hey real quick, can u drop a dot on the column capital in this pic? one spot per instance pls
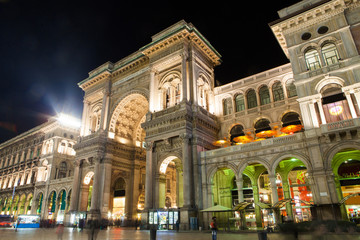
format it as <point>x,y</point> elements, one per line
<point>185,136</point>
<point>149,145</point>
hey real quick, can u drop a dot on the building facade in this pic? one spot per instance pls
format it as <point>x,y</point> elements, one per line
<point>37,170</point>
<point>158,141</point>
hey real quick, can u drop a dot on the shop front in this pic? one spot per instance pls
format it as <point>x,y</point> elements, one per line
<point>164,219</point>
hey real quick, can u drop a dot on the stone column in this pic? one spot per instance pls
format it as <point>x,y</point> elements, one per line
<point>286,189</point>
<point>105,168</point>
<point>258,214</point>
<point>152,106</point>
<point>105,106</point>
<point>321,111</point>
<point>239,184</point>
<point>162,190</point>
<point>313,115</point>
<point>184,75</point>
<point>96,194</point>
<point>75,192</point>
<point>351,104</point>
<point>187,174</point>
<point>85,116</point>
<point>149,203</point>
<point>274,194</point>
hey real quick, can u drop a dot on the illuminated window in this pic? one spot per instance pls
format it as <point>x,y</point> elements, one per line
<point>227,106</point>
<point>251,99</point>
<point>262,125</point>
<point>330,53</point>
<point>240,103</point>
<point>278,92</point>
<point>290,88</point>
<point>312,59</point>
<point>236,131</point>
<point>335,105</point>
<point>264,95</point>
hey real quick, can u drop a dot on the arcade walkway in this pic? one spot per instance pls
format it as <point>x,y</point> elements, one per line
<point>130,234</point>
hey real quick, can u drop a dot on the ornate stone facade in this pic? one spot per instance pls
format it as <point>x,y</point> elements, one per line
<point>150,121</point>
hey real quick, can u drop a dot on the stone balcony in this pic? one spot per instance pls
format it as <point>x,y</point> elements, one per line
<point>331,132</point>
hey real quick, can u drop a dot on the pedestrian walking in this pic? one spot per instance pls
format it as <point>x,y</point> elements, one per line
<point>17,224</point>
<point>60,231</point>
<point>177,225</point>
<point>213,226</point>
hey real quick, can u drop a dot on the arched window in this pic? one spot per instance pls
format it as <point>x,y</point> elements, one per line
<point>334,103</point>
<point>62,170</point>
<point>236,131</point>
<point>278,92</point>
<point>330,53</point>
<point>290,88</point>
<point>203,93</point>
<point>262,125</point>
<point>227,106</point>
<point>170,88</point>
<point>290,118</point>
<point>239,102</point>
<point>251,99</point>
<point>312,59</point>
<point>264,95</point>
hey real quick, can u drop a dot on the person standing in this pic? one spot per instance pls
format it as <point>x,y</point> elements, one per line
<point>60,231</point>
<point>213,226</point>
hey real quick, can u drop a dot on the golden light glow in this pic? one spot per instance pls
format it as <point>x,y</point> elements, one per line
<point>335,111</point>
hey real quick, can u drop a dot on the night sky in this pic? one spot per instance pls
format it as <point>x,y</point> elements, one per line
<point>48,46</point>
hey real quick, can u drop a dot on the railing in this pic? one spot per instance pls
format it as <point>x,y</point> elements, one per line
<point>254,145</point>
<point>341,125</point>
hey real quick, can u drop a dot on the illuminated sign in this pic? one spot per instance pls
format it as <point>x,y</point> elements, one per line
<point>335,111</point>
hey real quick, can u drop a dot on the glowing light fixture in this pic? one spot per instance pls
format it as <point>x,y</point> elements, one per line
<point>335,111</point>
<point>68,120</point>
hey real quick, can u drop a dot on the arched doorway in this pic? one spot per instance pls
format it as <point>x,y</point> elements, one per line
<point>51,205</point>
<point>294,191</point>
<point>225,194</point>
<point>86,192</point>
<point>257,195</point>
<point>21,206</point>
<point>39,203</point>
<point>61,206</point>
<point>28,203</point>
<point>346,169</point>
<point>119,200</point>
<point>170,193</point>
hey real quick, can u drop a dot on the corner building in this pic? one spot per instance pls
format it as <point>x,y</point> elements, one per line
<point>152,122</point>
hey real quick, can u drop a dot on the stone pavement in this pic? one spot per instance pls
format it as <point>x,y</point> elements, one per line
<point>131,234</point>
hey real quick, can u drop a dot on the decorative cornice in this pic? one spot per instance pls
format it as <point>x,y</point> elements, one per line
<point>303,19</point>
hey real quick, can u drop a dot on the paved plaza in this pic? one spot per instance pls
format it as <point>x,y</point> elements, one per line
<point>131,234</point>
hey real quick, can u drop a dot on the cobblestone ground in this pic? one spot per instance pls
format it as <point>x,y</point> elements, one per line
<point>130,234</point>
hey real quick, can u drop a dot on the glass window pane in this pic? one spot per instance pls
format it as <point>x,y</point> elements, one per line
<point>264,95</point>
<point>278,92</point>
<point>291,89</point>
<point>330,53</point>
<point>251,99</point>
<point>240,103</point>
<point>312,59</point>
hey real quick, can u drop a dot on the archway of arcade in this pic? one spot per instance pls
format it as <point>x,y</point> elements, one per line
<point>346,168</point>
<point>62,202</point>
<point>118,200</point>
<point>170,191</point>
<point>125,129</point>
<point>294,194</point>
<point>86,191</point>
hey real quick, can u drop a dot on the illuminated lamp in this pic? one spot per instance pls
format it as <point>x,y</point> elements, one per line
<point>221,143</point>
<point>243,139</point>
<point>67,120</point>
<point>335,111</point>
<point>291,129</point>
<point>266,134</point>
